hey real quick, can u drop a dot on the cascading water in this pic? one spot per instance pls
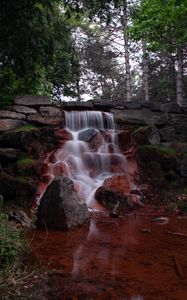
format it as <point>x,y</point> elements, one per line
<point>91,155</point>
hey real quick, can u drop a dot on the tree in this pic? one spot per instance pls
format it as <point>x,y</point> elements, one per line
<point>34,38</point>
<point>163,25</point>
<point>109,12</point>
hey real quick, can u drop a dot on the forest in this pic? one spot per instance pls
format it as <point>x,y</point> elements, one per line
<point>94,50</point>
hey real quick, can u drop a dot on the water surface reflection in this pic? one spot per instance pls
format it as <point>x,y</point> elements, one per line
<point>128,258</point>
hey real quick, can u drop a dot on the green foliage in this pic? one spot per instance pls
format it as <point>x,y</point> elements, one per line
<point>12,244</point>
<point>161,23</point>
<point>35,40</point>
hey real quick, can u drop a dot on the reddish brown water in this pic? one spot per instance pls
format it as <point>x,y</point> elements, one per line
<point>131,257</point>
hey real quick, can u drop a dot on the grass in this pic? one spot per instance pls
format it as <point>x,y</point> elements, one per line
<point>14,251</point>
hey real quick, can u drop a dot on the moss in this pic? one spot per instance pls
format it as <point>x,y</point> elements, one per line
<point>164,150</point>
<point>27,127</point>
<point>141,129</point>
<point>26,161</point>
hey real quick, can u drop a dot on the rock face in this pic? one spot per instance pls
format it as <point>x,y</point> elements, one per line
<point>60,206</point>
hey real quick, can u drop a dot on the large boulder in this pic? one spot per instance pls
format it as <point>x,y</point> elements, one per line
<point>60,207</point>
<point>32,100</point>
<point>116,192</point>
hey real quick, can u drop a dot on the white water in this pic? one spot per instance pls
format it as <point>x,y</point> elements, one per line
<point>88,164</point>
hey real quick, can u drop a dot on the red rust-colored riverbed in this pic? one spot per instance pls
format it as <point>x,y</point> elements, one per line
<point>131,257</point>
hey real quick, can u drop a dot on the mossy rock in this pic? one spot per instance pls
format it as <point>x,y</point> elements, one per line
<point>166,156</point>
<point>148,134</point>
<point>27,166</point>
<point>26,128</point>
<point>34,141</point>
<point>20,190</point>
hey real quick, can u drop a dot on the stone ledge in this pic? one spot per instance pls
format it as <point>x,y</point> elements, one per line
<point>32,100</point>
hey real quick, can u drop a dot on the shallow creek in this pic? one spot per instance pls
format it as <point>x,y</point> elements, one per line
<point>131,257</point>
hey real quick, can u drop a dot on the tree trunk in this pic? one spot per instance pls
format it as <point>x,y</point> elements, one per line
<point>179,77</point>
<point>126,48</point>
<point>145,72</point>
<point>78,90</point>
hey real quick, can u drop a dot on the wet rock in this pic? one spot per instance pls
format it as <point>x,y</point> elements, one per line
<point>87,135</point>
<point>50,111</point>
<point>44,120</point>
<point>12,115</point>
<point>170,107</point>
<point>23,109</point>
<point>8,124</point>
<point>114,190</point>
<point>32,100</point>
<point>60,206</point>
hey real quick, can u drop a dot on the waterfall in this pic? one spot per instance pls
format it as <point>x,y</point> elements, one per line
<point>91,155</point>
